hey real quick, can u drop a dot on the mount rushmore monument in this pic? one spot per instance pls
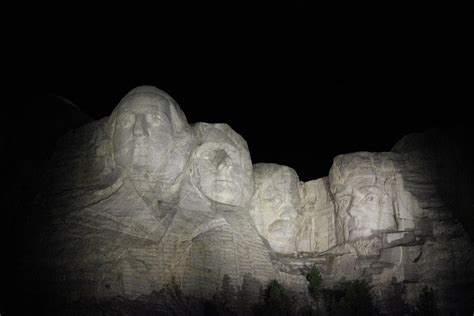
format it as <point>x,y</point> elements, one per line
<point>142,199</point>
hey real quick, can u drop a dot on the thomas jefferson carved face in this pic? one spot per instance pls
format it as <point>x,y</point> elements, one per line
<point>361,184</point>
<point>151,138</point>
<point>222,169</point>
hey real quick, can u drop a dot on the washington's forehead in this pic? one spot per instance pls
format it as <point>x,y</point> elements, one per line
<point>144,106</point>
<point>146,89</point>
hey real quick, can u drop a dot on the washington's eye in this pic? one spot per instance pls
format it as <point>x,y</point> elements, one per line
<point>154,119</point>
<point>126,120</point>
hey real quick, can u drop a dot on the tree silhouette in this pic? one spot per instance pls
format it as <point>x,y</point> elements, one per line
<point>393,299</point>
<point>426,304</point>
<point>315,281</point>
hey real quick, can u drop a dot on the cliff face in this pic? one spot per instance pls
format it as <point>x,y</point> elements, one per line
<point>391,223</point>
<point>142,200</point>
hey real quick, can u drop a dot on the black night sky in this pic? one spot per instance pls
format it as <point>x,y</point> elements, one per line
<point>300,84</point>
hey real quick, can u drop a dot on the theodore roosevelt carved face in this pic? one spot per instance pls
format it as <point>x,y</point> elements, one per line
<point>275,204</point>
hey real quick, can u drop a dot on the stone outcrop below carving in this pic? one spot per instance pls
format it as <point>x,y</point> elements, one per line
<point>122,219</point>
<point>141,200</point>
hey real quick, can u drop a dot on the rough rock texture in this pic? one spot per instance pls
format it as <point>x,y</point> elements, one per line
<point>438,171</point>
<point>292,216</point>
<point>404,224</point>
<point>140,201</point>
<point>316,223</point>
<point>445,159</point>
<point>391,223</point>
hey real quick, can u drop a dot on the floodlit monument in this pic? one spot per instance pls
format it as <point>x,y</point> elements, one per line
<point>141,200</point>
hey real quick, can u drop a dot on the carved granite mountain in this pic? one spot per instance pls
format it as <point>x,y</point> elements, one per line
<point>141,200</point>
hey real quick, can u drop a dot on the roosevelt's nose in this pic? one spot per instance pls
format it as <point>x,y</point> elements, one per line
<point>288,212</point>
<point>141,126</point>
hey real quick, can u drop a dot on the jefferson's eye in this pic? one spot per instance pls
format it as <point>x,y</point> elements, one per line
<point>126,120</point>
<point>208,155</point>
<point>344,200</point>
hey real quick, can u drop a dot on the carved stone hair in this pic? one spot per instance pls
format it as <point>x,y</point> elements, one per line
<point>178,118</point>
<point>383,165</point>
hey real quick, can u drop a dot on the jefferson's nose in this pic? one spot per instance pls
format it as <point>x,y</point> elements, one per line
<point>141,127</point>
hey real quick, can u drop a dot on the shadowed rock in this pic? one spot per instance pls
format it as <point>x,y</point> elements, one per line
<point>140,200</point>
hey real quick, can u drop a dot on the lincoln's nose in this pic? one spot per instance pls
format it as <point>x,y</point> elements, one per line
<point>141,127</point>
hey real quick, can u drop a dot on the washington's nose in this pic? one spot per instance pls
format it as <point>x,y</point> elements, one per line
<point>140,128</point>
<point>225,165</point>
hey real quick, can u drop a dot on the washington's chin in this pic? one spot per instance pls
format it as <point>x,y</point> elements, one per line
<point>146,173</point>
<point>139,159</point>
<point>161,190</point>
<point>142,149</point>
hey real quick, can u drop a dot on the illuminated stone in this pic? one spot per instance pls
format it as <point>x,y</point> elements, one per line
<point>368,192</point>
<point>139,200</point>
<point>152,141</point>
<point>275,205</point>
<point>220,166</point>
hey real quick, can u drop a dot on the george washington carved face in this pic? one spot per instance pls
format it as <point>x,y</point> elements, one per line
<point>152,140</point>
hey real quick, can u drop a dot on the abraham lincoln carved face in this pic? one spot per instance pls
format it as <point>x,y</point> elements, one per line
<point>366,187</point>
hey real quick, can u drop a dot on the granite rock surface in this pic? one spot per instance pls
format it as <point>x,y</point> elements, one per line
<point>142,199</point>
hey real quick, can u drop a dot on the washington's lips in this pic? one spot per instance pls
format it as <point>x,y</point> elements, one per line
<point>223,180</point>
